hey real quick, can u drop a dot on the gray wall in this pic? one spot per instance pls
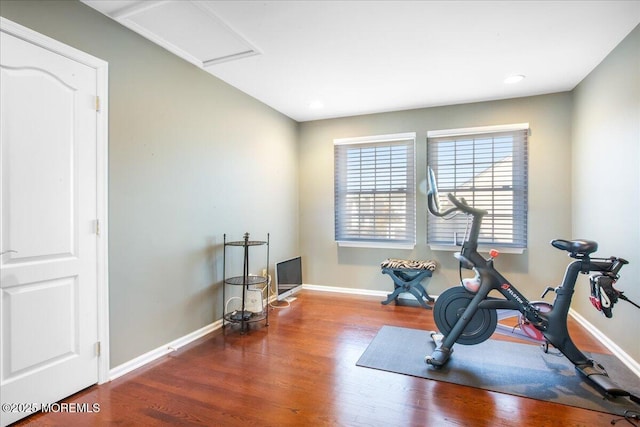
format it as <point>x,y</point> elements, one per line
<point>606,180</point>
<point>549,195</point>
<point>190,158</point>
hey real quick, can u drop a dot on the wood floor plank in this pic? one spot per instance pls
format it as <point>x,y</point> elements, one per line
<point>300,371</point>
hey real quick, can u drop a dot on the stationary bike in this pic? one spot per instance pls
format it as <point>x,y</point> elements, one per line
<point>468,315</point>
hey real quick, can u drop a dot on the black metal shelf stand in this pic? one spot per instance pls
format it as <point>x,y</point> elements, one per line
<point>245,317</point>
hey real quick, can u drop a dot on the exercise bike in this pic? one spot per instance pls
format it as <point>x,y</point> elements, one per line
<point>468,315</point>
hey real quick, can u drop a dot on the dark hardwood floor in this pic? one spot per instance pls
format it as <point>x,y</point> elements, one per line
<point>300,371</point>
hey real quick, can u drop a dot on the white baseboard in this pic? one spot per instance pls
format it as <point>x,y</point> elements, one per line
<point>163,350</point>
<point>367,292</point>
<point>627,360</point>
<point>345,290</point>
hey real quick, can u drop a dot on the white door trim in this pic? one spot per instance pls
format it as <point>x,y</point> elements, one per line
<point>102,137</point>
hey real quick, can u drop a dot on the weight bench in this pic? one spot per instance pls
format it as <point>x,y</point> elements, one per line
<point>407,275</point>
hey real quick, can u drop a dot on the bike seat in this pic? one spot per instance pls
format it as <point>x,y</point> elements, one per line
<point>576,248</point>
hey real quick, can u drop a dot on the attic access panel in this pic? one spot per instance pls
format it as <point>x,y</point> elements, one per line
<point>189,29</point>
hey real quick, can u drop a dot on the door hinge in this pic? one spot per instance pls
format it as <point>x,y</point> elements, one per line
<point>97,227</point>
<point>98,348</point>
<point>97,103</point>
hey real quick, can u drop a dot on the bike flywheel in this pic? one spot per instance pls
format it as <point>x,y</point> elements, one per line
<point>450,306</point>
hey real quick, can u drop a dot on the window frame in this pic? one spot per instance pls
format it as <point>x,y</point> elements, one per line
<point>519,189</point>
<point>409,218</point>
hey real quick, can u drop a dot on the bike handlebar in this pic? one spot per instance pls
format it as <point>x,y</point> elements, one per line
<point>617,264</point>
<point>459,205</point>
<point>464,206</point>
<point>433,202</point>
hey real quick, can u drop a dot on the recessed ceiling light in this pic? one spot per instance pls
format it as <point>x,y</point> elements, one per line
<point>316,105</point>
<point>515,78</point>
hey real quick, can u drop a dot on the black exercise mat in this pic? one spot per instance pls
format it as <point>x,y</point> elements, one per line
<point>501,366</point>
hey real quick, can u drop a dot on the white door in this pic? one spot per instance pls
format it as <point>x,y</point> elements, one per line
<point>48,268</point>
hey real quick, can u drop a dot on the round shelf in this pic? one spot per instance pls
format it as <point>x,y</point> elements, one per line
<point>248,243</point>
<point>249,317</point>
<point>250,280</point>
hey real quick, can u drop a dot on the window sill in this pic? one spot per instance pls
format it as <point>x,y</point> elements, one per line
<point>485,249</point>
<point>376,245</point>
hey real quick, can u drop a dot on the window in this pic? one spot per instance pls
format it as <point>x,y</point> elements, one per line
<point>375,191</point>
<point>488,167</point>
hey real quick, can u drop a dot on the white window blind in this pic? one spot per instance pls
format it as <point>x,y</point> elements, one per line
<point>375,190</point>
<point>488,167</point>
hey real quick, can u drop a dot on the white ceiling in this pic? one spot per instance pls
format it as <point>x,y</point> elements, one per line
<point>358,57</point>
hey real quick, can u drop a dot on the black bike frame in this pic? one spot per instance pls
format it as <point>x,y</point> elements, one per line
<point>552,324</point>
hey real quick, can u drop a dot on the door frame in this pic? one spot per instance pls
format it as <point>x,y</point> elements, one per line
<point>102,172</point>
